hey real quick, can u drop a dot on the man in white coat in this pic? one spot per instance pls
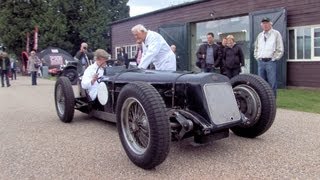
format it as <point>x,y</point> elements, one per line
<point>155,49</point>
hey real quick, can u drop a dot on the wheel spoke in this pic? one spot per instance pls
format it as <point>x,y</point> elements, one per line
<point>60,100</point>
<point>136,126</point>
<point>142,139</point>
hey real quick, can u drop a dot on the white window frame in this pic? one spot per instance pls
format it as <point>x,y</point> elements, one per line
<point>313,58</point>
<point>131,47</point>
<point>312,43</point>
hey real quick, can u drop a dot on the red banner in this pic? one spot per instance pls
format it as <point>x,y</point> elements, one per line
<point>28,42</point>
<point>35,44</point>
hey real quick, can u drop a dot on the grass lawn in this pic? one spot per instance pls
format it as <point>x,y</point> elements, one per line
<point>299,99</point>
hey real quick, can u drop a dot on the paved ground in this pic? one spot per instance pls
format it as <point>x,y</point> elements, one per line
<point>34,144</point>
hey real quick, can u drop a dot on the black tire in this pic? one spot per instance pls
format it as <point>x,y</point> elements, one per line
<point>256,101</point>
<point>64,99</point>
<point>146,139</point>
<point>72,75</point>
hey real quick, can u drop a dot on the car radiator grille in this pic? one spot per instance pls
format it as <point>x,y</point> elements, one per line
<point>221,102</point>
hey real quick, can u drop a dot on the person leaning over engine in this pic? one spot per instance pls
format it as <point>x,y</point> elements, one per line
<point>155,49</point>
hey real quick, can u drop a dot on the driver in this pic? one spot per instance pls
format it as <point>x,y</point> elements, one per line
<point>91,74</point>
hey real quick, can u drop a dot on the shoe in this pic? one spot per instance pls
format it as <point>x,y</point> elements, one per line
<point>8,85</point>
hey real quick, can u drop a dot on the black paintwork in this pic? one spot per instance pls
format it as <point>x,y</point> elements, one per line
<point>185,87</point>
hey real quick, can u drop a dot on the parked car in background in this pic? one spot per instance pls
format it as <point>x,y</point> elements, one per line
<point>60,63</point>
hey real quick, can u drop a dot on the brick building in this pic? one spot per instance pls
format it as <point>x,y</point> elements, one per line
<point>186,26</point>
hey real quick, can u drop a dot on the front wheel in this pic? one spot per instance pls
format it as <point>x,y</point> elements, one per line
<point>64,99</point>
<point>256,102</point>
<point>143,125</point>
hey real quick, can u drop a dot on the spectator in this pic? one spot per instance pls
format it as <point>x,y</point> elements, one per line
<point>174,50</point>
<point>222,45</point>
<point>84,56</point>
<point>233,58</point>
<point>268,49</point>
<point>123,57</point>
<point>33,66</point>
<point>155,49</point>
<point>13,67</point>
<point>93,72</point>
<point>209,55</point>
<point>5,68</point>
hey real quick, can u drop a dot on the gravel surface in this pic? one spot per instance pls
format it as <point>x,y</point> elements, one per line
<point>35,144</point>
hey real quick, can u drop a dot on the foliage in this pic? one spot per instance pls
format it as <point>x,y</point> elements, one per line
<point>63,24</point>
<point>299,99</point>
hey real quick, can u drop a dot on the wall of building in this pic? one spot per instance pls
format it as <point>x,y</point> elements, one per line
<point>304,74</point>
<point>300,13</point>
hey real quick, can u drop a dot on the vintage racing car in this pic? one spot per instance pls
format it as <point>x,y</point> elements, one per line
<point>152,108</point>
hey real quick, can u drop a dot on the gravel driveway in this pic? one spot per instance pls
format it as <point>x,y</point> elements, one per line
<point>34,144</point>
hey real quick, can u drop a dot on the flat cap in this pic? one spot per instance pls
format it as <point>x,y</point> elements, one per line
<point>265,19</point>
<point>101,53</point>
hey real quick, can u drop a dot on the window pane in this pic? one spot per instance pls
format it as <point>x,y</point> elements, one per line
<point>316,42</point>
<point>307,43</point>
<point>300,41</point>
<point>317,52</point>
<point>291,44</point>
<point>317,32</point>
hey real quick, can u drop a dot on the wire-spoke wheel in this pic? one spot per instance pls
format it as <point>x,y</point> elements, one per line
<point>64,99</point>
<point>143,124</point>
<point>60,100</point>
<point>135,125</point>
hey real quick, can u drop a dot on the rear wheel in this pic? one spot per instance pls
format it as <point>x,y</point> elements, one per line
<point>143,125</point>
<point>64,99</point>
<point>256,101</point>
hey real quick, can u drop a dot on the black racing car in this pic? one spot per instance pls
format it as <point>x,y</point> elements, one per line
<point>152,108</point>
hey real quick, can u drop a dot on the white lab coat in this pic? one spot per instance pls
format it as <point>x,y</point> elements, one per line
<point>157,51</point>
<point>87,77</point>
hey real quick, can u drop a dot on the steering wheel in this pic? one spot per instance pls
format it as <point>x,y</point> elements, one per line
<point>99,78</point>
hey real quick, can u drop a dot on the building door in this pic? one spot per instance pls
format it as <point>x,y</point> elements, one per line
<point>177,34</point>
<point>279,19</point>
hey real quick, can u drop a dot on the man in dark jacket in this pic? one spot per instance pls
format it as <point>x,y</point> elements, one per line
<point>209,55</point>
<point>5,68</point>
<point>222,46</point>
<point>123,57</point>
<point>84,57</point>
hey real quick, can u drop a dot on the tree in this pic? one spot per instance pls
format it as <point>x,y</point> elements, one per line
<point>95,17</point>
<point>64,24</point>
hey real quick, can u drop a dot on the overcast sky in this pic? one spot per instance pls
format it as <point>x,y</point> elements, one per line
<point>138,7</point>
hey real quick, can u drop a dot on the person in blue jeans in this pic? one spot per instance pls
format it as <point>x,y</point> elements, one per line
<point>268,49</point>
<point>209,55</point>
